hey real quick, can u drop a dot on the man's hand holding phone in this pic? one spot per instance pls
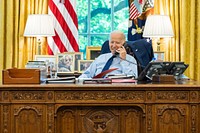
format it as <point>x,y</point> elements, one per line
<point>122,52</point>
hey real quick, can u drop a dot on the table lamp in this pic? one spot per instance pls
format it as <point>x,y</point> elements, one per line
<point>158,26</point>
<point>39,25</point>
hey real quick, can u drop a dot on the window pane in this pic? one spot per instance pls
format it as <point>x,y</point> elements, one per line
<point>121,15</point>
<point>100,21</point>
<point>98,40</point>
<point>96,22</point>
<point>83,42</point>
<point>82,12</point>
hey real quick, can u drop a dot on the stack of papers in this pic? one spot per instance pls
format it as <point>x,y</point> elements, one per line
<point>97,81</point>
<point>107,81</point>
<point>123,81</point>
<point>71,79</point>
<point>120,76</point>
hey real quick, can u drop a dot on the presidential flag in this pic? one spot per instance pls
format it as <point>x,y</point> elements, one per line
<point>65,25</point>
<point>138,10</point>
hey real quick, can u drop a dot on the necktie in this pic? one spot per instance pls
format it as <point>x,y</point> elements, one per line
<point>108,63</point>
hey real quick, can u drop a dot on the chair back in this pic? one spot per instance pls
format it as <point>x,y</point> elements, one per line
<point>105,47</point>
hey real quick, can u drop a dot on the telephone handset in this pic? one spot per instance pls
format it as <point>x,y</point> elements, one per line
<point>125,46</point>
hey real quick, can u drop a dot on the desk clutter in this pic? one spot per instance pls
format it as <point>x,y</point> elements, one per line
<point>163,71</point>
<point>62,80</point>
<point>33,76</point>
<point>108,80</point>
<point>65,63</point>
<point>37,72</point>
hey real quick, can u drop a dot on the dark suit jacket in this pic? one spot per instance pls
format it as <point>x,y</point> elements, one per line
<point>142,51</point>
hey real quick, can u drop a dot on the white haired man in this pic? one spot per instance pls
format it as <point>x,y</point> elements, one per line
<point>125,64</point>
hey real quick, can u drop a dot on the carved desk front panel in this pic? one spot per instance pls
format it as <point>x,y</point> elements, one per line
<point>114,108</point>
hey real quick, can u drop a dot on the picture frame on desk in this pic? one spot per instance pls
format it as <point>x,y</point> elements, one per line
<point>83,65</point>
<point>92,52</point>
<point>77,56</point>
<point>65,63</point>
<point>159,56</point>
<point>51,59</point>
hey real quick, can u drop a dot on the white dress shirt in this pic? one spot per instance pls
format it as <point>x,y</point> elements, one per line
<point>127,67</point>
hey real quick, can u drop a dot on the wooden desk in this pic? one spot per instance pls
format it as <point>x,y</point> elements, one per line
<point>102,108</point>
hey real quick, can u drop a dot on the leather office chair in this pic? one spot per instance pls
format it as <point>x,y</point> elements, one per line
<point>141,49</point>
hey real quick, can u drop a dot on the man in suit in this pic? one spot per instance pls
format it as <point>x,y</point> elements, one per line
<point>125,64</point>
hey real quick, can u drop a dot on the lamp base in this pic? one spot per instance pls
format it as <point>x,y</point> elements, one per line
<point>39,45</point>
<point>158,46</point>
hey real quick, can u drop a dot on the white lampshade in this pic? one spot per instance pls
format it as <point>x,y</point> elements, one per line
<point>158,26</point>
<point>39,25</point>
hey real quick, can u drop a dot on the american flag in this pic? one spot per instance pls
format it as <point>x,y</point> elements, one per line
<point>66,27</point>
<point>135,9</point>
<point>136,25</point>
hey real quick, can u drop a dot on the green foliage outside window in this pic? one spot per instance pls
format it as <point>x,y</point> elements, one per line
<point>97,18</point>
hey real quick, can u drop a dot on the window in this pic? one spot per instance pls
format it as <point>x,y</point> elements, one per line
<point>97,18</point>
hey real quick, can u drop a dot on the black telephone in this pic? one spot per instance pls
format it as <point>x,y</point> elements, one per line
<point>125,46</point>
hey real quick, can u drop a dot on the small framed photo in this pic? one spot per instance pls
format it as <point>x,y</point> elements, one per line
<point>159,56</point>
<point>77,56</point>
<point>83,65</point>
<point>47,58</point>
<point>92,52</point>
<point>65,63</point>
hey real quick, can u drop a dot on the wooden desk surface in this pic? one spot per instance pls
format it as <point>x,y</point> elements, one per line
<point>94,108</point>
<point>181,84</point>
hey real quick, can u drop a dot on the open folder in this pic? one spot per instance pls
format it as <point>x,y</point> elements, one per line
<point>102,74</point>
<point>99,79</point>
